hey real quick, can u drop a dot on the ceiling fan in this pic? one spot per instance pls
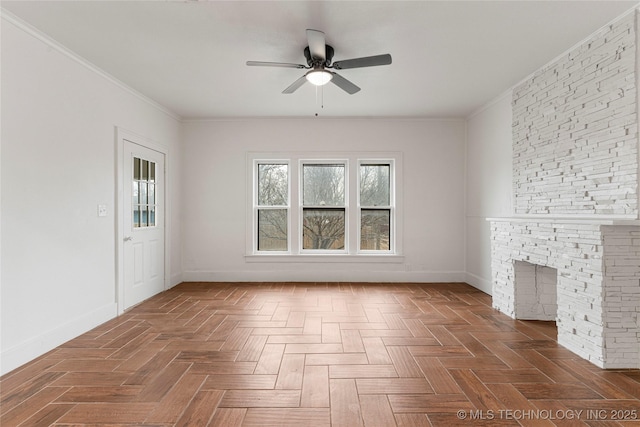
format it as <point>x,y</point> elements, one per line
<point>319,56</point>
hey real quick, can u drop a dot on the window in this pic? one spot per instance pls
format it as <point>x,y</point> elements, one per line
<point>375,206</point>
<point>323,206</point>
<point>144,202</point>
<point>272,206</point>
<point>303,205</point>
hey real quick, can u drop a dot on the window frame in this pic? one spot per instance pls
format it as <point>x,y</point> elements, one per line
<point>257,207</point>
<point>352,251</point>
<point>302,207</point>
<point>391,207</point>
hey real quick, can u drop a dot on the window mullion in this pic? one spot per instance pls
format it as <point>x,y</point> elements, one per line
<point>353,211</point>
<point>295,208</point>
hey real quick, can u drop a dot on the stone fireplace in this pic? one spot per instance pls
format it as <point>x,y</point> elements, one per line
<point>571,250</point>
<point>595,294</point>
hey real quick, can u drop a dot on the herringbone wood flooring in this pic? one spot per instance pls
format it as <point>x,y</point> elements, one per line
<point>317,354</point>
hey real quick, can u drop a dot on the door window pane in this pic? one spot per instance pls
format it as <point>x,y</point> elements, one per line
<point>273,185</point>
<point>375,229</point>
<point>323,185</point>
<point>136,216</point>
<point>152,172</point>
<point>323,229</point>
<point>136,168</point>
<point>152,216</point>
<point>143,193</point>
<point>145,170</point>
<point>143,216</point>
<point>135,199</point>
<point>374,185</point>
<point>151,194</point>
<point>272,230</point>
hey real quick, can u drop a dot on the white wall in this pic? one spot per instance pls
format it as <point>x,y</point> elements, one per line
<point>489,178</point>
<point>215,178</point>
<point>58,163</point>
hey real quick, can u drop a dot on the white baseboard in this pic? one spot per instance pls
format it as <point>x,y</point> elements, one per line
<point>28,350</point>
<point>478,282</point>
<point>325,276</point>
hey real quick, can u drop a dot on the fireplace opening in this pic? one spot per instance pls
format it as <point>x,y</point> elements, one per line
<point>535,291</point>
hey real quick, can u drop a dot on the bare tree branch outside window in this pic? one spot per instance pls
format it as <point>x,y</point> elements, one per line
<point>273,185</point>
<point>323,194</point>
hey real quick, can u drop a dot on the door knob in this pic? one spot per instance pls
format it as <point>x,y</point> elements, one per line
<point>127,238</point>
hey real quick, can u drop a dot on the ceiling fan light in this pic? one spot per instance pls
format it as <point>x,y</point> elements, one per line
<point>319,77</point>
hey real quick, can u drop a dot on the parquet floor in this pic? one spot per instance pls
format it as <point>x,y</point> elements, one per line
<point>285,354</point>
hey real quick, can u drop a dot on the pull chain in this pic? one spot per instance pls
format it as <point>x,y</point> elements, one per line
<point>321,97</point>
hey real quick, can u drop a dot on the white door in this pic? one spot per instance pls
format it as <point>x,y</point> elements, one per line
<point>143,223</point>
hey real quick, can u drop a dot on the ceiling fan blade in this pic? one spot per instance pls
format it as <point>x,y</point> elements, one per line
<point>274,64</point>
<point>317,44</point>
<point>344,84</point>
<point>367,61</point>
<point>295,85</point>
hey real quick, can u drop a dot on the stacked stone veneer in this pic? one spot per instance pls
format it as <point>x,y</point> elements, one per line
<point>575,131</point>
<point>575,197</point>
<point>621,296</point>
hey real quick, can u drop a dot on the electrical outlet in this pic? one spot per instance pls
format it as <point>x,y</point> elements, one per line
<point>102,210</point>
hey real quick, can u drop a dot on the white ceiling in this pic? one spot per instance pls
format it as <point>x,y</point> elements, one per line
<point>449,57</point>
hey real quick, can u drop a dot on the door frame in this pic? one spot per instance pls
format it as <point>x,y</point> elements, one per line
<point>123,135</point>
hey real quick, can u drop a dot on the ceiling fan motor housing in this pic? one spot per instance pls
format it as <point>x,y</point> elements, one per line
<point>314,62</point>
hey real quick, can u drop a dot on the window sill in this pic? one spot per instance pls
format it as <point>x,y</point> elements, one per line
<point>327,258</point>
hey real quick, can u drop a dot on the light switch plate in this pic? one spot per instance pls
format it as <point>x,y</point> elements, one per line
<point>102,210</point>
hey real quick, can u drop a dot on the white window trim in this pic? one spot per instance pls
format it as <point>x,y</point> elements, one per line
<point>295,253</point>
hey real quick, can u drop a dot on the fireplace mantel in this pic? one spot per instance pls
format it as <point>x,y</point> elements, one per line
<point>596,220</point>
